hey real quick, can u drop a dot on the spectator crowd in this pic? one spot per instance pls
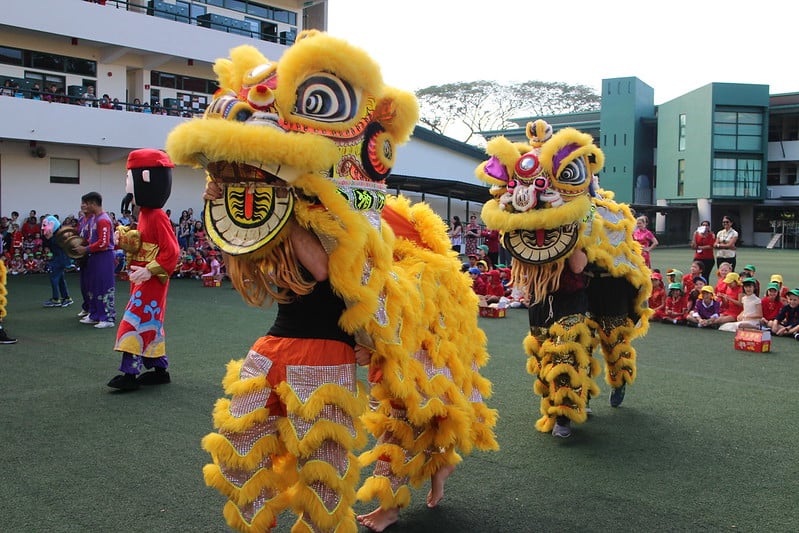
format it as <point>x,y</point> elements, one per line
<point>26,252</point>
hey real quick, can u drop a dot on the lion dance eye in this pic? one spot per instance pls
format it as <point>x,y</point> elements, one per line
<point>574,173</point>
<point>326,98</point>
<point>528,165</point>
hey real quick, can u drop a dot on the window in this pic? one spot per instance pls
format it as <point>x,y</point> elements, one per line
<point>64,170</point>
<point>737,177</point>
<point>681,138</point>
<point>738,130</point>
<point>10,56</point>
<point>185,83</point>
<point>681,177</point>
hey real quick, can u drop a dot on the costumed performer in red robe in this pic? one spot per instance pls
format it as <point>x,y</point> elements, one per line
<point>152,253</point>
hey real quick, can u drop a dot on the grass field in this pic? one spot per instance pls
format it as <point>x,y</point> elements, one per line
<point>705,439</point>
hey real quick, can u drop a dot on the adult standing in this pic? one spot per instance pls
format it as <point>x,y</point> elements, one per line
<point>99,263</point>
<point>456,234</point>
<point>491,240</point>
<point>725,243</point>
<point>471,236</point>
<point>57,266</point>
<point>645,238</point>
<point>85,223</point>
<point>153,252</point>
<point>702,243</point>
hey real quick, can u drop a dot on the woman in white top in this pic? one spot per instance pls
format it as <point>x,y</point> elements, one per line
<point>725,243</point>
<point>456,234</point>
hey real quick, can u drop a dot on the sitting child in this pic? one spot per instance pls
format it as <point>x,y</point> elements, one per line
<point>214,267</point>
<point>676,305</point>
<point>787,322</point>
<point>494,288</point>
<point>731,305</point>
<point>724,269</point>
<point>752,311</point>
<point>688,279</point>
<point>771,303</point>
<point>705,312</point>
<point>657,301</point>
<point>478,284</point>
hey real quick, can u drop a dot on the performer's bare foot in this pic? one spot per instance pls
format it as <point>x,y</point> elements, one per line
<point>379,519</point>
<point>437,485</point>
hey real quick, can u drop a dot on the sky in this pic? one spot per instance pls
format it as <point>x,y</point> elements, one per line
<point>674,46</point>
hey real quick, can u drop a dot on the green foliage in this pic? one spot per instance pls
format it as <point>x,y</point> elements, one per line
<point>464,109</point>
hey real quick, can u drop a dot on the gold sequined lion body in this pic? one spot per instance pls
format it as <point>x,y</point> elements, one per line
<point>310,140</point>
<point>548,206</point>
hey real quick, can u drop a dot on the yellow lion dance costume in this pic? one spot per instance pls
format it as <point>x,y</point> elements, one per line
<point>310,140</point>
<point>549,208</point>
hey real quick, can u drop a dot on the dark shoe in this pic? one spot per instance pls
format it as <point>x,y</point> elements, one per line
<point>617,396</point>
<point>124,382</point>
<point>154,377</point>
<point>53,302</point>
<point>66,302</point>
<point>5,339</point>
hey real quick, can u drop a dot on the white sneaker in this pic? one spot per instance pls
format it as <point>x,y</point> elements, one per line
<point>104,324</point>
<point>83,313</point>
<point>87,320</point>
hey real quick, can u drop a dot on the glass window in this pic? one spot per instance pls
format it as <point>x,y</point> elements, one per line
<point>681,141</point>
<point>258,10</point>
<point>738,130</point>
<point>681,177</point>
<point>236,5</point>
<point>64,170</point>
<point>10,56</point>
<point>741,178</point>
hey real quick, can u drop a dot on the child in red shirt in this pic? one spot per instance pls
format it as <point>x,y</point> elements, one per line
<point>676,305</point>
<point>731,305</point>
<point>657,301</point>
<point>771,303</point>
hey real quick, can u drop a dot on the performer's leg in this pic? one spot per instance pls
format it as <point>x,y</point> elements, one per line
<point>389,482</point>
<point>157,374</point>
<point>322,427</point>
<point>251,465</point>
<point>560,358</point>
<point>614,336</point>
<point>130,366</point>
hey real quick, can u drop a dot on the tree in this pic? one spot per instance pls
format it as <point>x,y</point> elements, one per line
<point>464,109</point>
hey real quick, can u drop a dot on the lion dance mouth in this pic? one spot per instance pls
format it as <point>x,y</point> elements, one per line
<point>254,207</point>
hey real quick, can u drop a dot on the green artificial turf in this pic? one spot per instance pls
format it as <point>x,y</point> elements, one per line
<point>705,439</point>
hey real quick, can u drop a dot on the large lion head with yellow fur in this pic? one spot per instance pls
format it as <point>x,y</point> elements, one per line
<point>275,128</point>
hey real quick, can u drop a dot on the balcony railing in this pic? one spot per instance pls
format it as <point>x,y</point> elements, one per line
<point>183,13</point>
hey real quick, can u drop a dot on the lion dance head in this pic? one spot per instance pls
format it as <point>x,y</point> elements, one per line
<point>280,136</point>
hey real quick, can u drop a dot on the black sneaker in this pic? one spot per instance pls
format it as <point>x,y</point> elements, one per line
<point>617,395</point>
<point>53,302</point>
<point>5,339</point>
<point>154,377</point>
<point>124,382</point>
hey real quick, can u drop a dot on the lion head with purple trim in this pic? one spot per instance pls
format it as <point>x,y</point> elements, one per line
<point>542,189</point>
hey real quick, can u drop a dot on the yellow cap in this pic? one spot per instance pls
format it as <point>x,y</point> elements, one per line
<point>776,277</point>
<point>732,276</point>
